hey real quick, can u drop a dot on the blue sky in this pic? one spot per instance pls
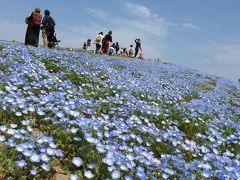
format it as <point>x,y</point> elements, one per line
<point>203,35</point>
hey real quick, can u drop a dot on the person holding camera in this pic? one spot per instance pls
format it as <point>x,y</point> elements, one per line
<point>137,47</point>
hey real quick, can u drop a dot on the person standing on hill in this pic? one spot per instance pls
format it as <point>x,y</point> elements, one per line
<point>130,51</point>
<point>107,40</point>
<point>33,29</point>
<point>137,47</point>
<point>98,41</point>
<point>47,27</point>
<point>117,47</point>
<point>88,45</point>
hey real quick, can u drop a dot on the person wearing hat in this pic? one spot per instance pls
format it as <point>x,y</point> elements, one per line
<point>137,47</point>
<point>33,21</point>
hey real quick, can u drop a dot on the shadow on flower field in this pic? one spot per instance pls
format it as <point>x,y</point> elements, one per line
<point>71,115</point>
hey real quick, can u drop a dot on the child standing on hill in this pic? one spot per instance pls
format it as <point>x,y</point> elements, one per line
<point>88,44</point>
<point>130,51</point>
<point>141,54</point>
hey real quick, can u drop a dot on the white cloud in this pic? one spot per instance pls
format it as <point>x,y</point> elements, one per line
<point>138,10</point>
<point>191,26</point>
<point>187,27</point>
<point>98,13</point>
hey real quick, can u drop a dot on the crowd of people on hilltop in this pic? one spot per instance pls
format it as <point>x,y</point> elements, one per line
<point>104,44</point>
<point>36,23</point>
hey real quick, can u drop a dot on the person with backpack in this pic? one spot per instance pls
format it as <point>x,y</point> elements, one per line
<point>48,28</point>
<point>33,21</point>
<point>98,41</point>
<point>137,47</point>
<point>107,40</point>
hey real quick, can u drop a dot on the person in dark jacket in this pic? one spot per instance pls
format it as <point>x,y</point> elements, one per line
<point>137,47</point>
<point>48,25</point>
<point>117,47</point>
<point>33,29</point>
<point>106,42</point>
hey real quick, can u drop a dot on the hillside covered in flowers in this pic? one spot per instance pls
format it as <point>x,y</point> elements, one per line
<point>73,115</point>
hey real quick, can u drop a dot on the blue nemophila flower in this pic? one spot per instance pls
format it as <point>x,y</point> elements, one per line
<point>100,149</point>
<point>73,177</point>
<point>20,148</point>
<point>128,178</point>
<point>25,122</point>
<point>45,167</point>
<point>88,174</point>
<point>33,171</point>
<point>116,174</point>
<point>21,163</point>
<point>35,158</point>
<point>18,113</point>
<point>2,138</point>
<point>50,151</point>
<point>40,112</point>
<point>12,125</point>
<point>11,131</point>
<point>52,145</point>
<point>108,161</point>
<point>73,130</point>
<point>92,165</point>
<point>45,158</point>
<point>77,138</point>
<point>3,128</point>
<point>77,161</point>
<point>27,152</point>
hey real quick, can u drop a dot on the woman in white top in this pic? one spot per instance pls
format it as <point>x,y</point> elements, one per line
<point>98,41</point>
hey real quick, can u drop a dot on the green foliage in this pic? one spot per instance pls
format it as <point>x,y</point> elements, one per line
<point>190,97</point>
<point>159,148</point>
<point>8,157</point>
<point>52,66</point>
<point>231,102</point>
<point>232,147</point>
<point>191,128</point>
<point>227,131</point>
<point>2,86</point>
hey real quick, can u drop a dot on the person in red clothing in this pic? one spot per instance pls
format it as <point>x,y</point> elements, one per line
<point>107,40</point>
<point>32,34</point>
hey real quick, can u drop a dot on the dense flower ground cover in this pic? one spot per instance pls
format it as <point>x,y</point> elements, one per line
<point>79,116</point>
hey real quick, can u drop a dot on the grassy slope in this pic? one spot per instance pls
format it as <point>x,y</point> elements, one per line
<point>136,118</point>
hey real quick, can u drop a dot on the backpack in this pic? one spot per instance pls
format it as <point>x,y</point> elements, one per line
<point>50,24</point>
<point>98,38</point>
<point>36,21</point>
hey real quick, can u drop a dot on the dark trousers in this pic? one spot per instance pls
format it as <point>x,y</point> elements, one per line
<point>98,47</point>
<point>32,36</point>
<point>136,52</point>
